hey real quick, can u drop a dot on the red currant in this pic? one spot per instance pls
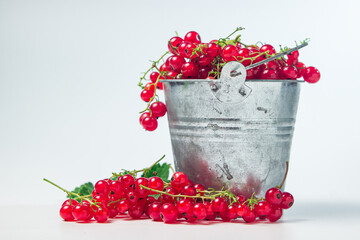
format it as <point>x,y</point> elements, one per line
<point>288,72</point>
<point>167,198</point>
<point>199,210</point>
<point>123,206</point>
<point>273,196</point>
<point>179,180</point>
<point>210,213</point>
<point>174,43</point>
<point>189,190</point>
<point>311,75</point>
<point>154,76</point>
<point>269,74</point>
<point>132,197</point>
<point>156,183</point>
<point>192,37</point>
<point>219,205</point>
<point>230,53</point>
<point>268,48</point>
<point>190,69</point>
<point>127,182</point>
<point>158,109</point>
<point>168,213</point>
<point>199,188</point>
<point>150,123</point>
<point>250,216</point>
<point>101,215</point>
<point>66,212</point>
<point>115,187</point>
<point>275,214</point>
<point>230,213</point>
<point>141,192</point>
<point>81,212</point>
<point>287,200</point>
<point>242,210</point>
<point>176,63</point>
<point>136,211</point>
<point>154,211</point>
<point>73,202</point>
<point>146,95</point>
<point>263,208</point>
<point>102,187</point>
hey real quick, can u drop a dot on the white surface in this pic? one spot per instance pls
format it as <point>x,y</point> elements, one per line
<point>307,220</point>
<point>69,104</point>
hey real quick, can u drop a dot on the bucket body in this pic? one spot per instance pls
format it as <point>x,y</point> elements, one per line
<point>241,146</point>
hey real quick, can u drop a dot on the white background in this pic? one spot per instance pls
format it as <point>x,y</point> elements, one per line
<point>69,99</point>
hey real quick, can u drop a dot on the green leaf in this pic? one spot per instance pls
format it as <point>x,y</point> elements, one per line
<point>160,170</point>
<point>84,189</point>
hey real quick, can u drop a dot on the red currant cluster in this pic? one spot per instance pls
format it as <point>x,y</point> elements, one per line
<point>180,199</point>
<point>193,59</point>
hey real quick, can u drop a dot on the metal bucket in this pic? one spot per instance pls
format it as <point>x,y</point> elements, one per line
<point>231,133</point>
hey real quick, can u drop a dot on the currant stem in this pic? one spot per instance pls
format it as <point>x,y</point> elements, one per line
<point>152,66</point>
<point>286,172</point>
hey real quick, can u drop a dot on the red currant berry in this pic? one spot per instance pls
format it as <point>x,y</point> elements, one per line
<point>275,214</point>
<point>115,187</point>
<point>141,192</point>
<point>242,210</point>
<point>187,49</point>
<point>269,74</point>
<point>230,53</point>
<point>273,196</point>
<point>176,63</point>
<point>102,187</point>
<point>204,60</point>
<point>192,37</point>
<point>230,213</point>
<point>167,198</point>
<point>292,61</point>
<point>158,109</point>
<point>244,53</point>
<point>190,69</point>
<point>171,75</point>
<point>311,75</point>
<point>132,197</point>
<point>150,87</point>
<point>253,73</point>
<point>112,212</point>
<point>184,206</point>
<point>219,205</point>
<point>199,188</point>
<point>123,206</point>
<point>188,190</point>
<point>179,180</point>
<point>136,211</point>
<point>253,49</point>
<point>168,213</point>
<point>101,215</point>
<point>146,95</point>
<point>210,214</point>
<point>174,43</point>
<point>294,55</point>
<point>81,212</point>
<point>143,116</point>
<point>250,216</point>
<point>154,76</point>
<point>288,72</point>
<point>268,48</point>
<point>150,123</point>
<point>154,211</point>
<point>156,183</point>
<point>300,69</point>
<point>162,68</point>
<point>73,202</point>
<point>127,182</point>
<point>274,65</point>
<point>263,208</point>
<point>241,199</point>
<point>199,211</point>
<point>213,50</point>
<point>66,212</point>
<point>287,200</point>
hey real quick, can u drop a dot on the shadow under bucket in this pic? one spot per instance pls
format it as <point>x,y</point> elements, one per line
<point>231,133</point>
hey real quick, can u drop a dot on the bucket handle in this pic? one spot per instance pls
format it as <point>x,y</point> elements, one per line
<point>231,87</point>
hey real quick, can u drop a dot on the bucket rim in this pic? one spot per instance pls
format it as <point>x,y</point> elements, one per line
<point>218,80</point>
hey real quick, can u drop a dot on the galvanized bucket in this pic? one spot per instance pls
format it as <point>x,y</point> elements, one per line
<point>231,133</point>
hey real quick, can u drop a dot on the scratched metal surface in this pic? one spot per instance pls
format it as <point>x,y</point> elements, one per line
<point>241,145</point>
